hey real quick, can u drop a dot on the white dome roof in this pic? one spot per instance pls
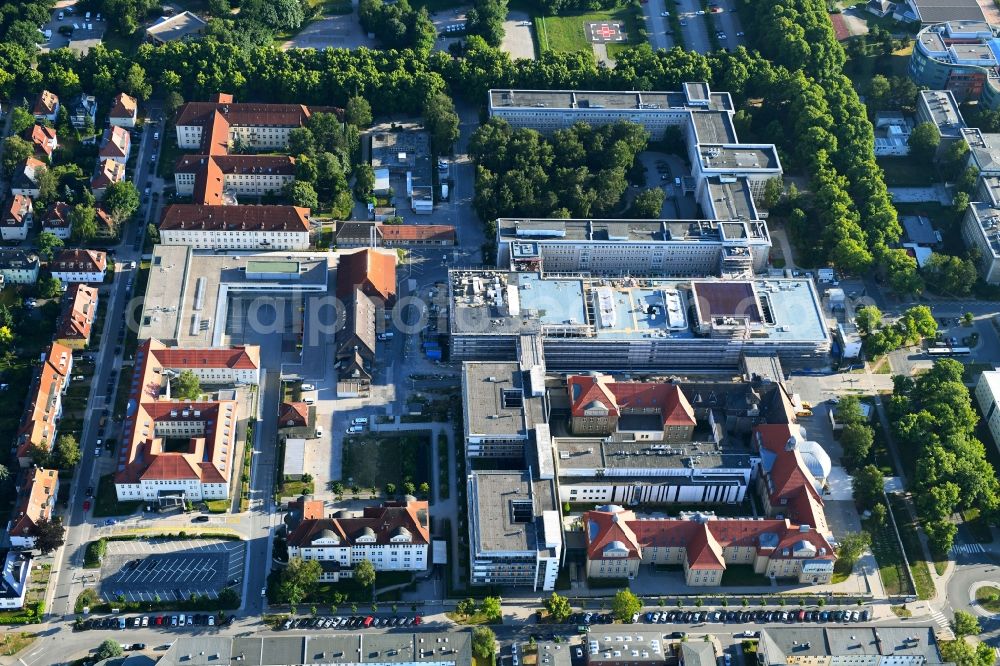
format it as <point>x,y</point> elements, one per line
<point>817,460</point>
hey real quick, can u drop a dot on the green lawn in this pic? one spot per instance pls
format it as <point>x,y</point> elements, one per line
<point>906,172</point>
<point>374,461</point>
<point>919,566</point>
<point>862,70</point>
<point>106,502</point>
<point>890,560</point>
<point>13,642</point>
<point>564,34</point>
<point>743,575</point>
<point>989,598</point>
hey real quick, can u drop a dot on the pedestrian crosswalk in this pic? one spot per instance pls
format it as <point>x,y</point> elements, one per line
<point>968,548</point>
<point>944,625</point>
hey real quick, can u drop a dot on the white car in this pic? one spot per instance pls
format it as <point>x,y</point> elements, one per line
<point>319,432</point>
<point>308,387</point>
<point>664,14</point>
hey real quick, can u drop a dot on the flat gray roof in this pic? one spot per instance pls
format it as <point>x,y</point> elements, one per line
<point>179,26</point>
<point>638,231</point>
<point>910,644</point>
<point>599,99</point>
<point>731,198</point>
<point>615,453</point>
<point>988,217</point>
<point>932,41</point>
<point>497,401</point>
<point>714,127</point>
<point>508,507</point>
<point>739,157</point>
<point>940,11</point>
<point>944,111</point>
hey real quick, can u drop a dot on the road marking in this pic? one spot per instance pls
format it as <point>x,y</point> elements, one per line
<point>968,548</point>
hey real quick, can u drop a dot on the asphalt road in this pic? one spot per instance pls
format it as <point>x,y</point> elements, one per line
<point>69,578</point>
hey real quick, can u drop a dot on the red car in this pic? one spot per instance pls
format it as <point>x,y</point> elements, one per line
<point>416,620</point>
<point>86,505</point>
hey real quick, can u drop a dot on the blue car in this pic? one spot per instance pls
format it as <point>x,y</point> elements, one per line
<point>110,521</point>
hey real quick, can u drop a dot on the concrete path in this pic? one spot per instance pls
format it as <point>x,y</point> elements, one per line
<point>934,194</point>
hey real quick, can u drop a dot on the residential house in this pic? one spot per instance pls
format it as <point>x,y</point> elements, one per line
<point>56,220</point>
<point>293,415</point>
<point>79,310</point>
<point>177,450</point>
<point>618,542</point>
<point>44,405</point>
<point>18,218</point>
<point>36,500</point>
<point>18,267</point>
<point>46,106</point>
<point>106,225</point>
<point>25,178</point>
<point>393,537</point>
<point>14,578</point>
<point>44,140</point>
<point>373,271</point>
<point>236,227</point>
<point>107,172</point>
<point>124,110</point>
<point>82,108</point>
<point>116,144</point>
<point>79,265</point>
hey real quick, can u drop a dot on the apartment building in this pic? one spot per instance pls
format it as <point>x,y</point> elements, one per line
<point>25,179</point>
<point>633,247</point>
<point>44,404</point>
<point>957,56</point>
<point>56,220</point>
<point>394,536</point>
<point>793,475</point>
<point>124,110</point>
<point>515,530</point>
<point>618,542</point>
<point>46,106</point>
<point>82,107</point>
<point>987,394</point>
<point>14,578</point>
<point>236,227</point>
<point>37,491</point>
<point>78,265</point>
<point>76,322</point>
<point>251,175</point>
<point>502,406</point>
<point>106,173</point>
<point>17,218</point>
<point>232,365</point>
<point>176,450</point>
<point>18,267</point>
<point>940,108</point>
<point>981,230</point>
<point>116,144</point>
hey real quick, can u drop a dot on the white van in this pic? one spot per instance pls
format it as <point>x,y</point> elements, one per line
<point>308,387</point>
<point>361,420</point>
<point>354,429</point>
<point>385,336</point>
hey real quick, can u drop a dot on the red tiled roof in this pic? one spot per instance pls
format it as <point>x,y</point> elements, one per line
<point>78,260</point>
<point>56,216</point>
<point>115,142</point>
<point>291,414</point>
<point>45,103</point>
<point>79,312</point>
<point>38,426</point>
<point>417,232</point>
<point>247,114</point>
<point>372,271</point>
<point>235,218</point>
<point>107,173</point>
<point>604,528</point>
<point>276,165</point>
<point>170,466</point>
<point>34,500</point>
<point>123,106</point>
<point>704,551</point>
<point>208,185</point>
<point>237,358</point>
<point>383,522</point>
<point>104,218</point>
<point>215,138</point>
<point>16,210</point>
<point>42,138</point>
<point>619,397</point>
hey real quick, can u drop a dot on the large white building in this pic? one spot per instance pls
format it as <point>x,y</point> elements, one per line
<point>634,247</point>
<point>981,229</point>
<point>210,227</point>
<point>987,395</point>
<point>393,537</point>
<point>181,449</point>
<point>515,530</point>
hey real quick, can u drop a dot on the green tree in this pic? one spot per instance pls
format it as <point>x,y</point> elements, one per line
<point>186,386</point>
<point>135,83</point>
<point>66,454</point>
<point>917,323</point>
<point>49,534</point>
<point>15,151</point>
<point>40,455</point>
<point>84,223</point>
<point>484,643</point>
<point>4,473</point>
<point>121,200</point>
<point>774,188</point>
<point>868,486</point>
<point>852,546</point>
<point>364,181</point>
<point>625,605</point>
<point>466,607</point>
<point>301,193</point>
<point>879,514</point>
<point>966,624</point>
<point>940,535</point>
<point>492,609</point>
<point>961,653</point>
<point>301,141</point>
<point>48,287</point>
<point>364,573</point>
<point>390,489</point>
<point>48,183</point>
<point>21,120</point>
<point>442,121</point>
<point>967,179</point>
<point>923,141</point>
<point>279,15</point>
<point>856,440</point>
<point>868,318</point>
<point>153,233</point>
<point>648,203</point>
<point>172,102</point>
<point>108,649</point>
<point>879,94</point>
<point>48,243</point>
<point>849,410</point>
<point>558,607</point>
<point>358,112</point>
<point>950,275</point>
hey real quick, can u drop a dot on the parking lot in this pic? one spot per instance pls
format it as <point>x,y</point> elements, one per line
<point>170,570</point>
<point>78,32</point>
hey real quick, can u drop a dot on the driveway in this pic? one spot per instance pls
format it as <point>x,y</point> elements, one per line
<point>519,36</point>
<point>341,31</point>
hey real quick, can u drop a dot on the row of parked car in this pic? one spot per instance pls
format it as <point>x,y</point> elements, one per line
<point>758,616</point>
<point>351,622</point>
<point>143,621</point>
